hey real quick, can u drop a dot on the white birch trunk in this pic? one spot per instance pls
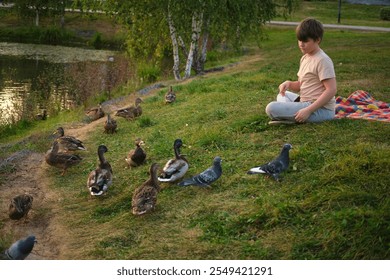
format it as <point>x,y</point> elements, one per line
<point>175,47</point>
<point>196,29</point>
<point>36,17</point>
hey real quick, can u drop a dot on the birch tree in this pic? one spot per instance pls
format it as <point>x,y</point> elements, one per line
<point>38,8</point>
<point>184,28</point>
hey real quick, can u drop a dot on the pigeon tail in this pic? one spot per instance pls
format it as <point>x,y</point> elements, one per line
<point>256,170</point>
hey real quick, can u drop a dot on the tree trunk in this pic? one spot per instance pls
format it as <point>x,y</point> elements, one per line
<point>36,17</point>
<point>175,46</point>
<point>196,29</point>
<point>203,53</point>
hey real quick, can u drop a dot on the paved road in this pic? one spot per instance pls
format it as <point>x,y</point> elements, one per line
<point>336,26</point>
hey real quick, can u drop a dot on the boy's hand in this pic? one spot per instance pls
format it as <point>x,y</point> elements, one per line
<point>283,87</point>
<point>302,115</point>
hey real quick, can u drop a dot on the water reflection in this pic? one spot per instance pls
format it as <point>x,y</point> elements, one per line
<point>34,78</point>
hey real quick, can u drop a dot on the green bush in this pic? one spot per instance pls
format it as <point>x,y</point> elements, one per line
<point>97,41</point>
<point>385,13</point>
<point>148,73</point>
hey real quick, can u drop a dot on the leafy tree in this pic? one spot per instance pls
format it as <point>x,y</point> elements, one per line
<point>38,8</point>
<point>185,28</point>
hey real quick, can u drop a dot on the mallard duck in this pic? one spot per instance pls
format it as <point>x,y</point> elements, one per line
<point>136,156</point>
<point>41,116</point>
<point>145,197</point>
<point>170,97</point>
<point>101,178</point>
<point>176,167</point>
<point>110,125</point>
<point>68,143</point>
<point>131,112</point>
<point>61,160</point>
<point>20,206</point>
<point>95,113</point>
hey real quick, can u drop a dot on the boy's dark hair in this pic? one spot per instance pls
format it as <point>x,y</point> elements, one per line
<point>309,28</point>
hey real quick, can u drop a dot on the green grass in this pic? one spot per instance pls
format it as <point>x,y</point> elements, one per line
<point>327,12</point>
<point>333,202</point>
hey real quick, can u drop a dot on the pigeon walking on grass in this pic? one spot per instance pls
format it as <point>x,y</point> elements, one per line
<point>21,248</point>
<point>276,166</point>
<point>207,177</point>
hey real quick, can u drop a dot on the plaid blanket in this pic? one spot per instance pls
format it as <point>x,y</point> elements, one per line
<point>361,105</point>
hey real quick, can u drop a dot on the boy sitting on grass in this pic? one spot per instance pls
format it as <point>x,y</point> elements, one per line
<point>316,82</point>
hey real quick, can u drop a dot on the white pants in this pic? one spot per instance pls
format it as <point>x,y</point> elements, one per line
<point>286,108</point>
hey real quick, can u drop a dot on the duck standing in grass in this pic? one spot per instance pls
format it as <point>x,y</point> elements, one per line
<point>276,166</point>
<point>101,178</point>
<point>170,97</point>
<point>175,168</point>
<point>136,156</point>
<point>145,197</point>
<point>68,143</point>
<point>95,113</point>
<point>20,206</point>
<point>61,160</point>
<point>132,112</point>
<point>110,125</point>
<point>207,177</point>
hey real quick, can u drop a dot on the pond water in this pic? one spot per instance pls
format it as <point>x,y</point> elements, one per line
<point>34,78</point>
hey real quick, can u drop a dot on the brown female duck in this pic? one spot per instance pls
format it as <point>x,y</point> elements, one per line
<point>170,97</point>
<point>110,125</point>
<point>145,197</point>
<point>61,160</point>
<point>68,143</point>
<point>131,112</point>
<point>95,113</point>
<point>136,156</point>
<point>19,206</point>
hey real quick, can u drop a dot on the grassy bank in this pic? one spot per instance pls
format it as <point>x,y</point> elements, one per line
<point>333,202</point>
<point>327,12</point>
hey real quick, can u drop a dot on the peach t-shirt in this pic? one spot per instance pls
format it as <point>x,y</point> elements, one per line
<point>312,70</point>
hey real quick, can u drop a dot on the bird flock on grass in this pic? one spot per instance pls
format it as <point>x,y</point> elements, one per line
<point>64,153</point>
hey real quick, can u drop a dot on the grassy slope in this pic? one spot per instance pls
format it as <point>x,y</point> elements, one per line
<point>332,204</point>
<point>327,12</point>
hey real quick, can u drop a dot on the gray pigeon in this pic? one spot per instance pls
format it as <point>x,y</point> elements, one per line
<point>207,177</point>
<point>21,248</point>
<point>276,166</point>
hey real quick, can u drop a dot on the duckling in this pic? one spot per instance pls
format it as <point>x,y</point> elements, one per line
<point>61,160</point>
<point>110,125</point>
<point>68,143</point>
<point>145,197</point>
<point>101,178</point>
<point>170,97</point>
<point>136,156</point>
<point>131,112</point>
<point>95,113</point>
<point>176,167</point>
<point>20,206</point>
